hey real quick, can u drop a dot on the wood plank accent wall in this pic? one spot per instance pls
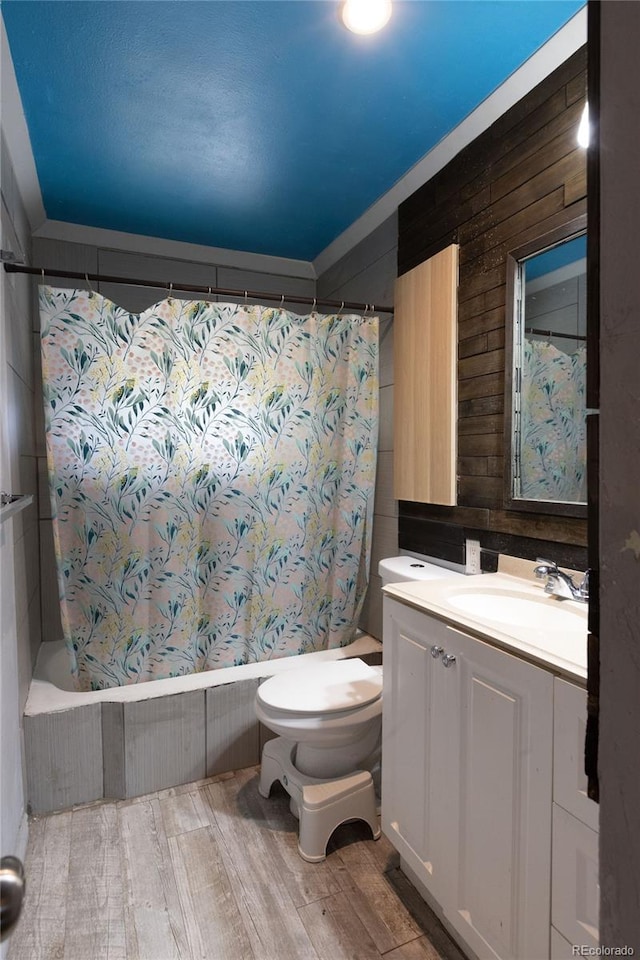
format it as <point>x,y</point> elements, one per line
<point>521,178</point>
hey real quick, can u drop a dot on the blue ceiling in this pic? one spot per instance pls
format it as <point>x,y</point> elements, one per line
<point>256,125</point>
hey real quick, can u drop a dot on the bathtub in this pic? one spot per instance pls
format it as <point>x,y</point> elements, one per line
<point>128,741</point>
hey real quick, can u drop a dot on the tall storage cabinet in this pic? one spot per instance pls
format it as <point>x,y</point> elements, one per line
<point>425,390</point>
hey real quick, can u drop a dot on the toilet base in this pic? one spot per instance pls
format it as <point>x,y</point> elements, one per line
<point>320,805</point>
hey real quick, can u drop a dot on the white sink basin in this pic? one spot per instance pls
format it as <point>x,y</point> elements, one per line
<point>508,606</point>
<point>508,611</point>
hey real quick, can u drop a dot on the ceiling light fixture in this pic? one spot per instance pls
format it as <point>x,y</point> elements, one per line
<point>366,16</point>
<point>583,129</point>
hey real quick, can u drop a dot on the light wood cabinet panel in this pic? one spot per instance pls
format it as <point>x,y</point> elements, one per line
<point>425,355</point>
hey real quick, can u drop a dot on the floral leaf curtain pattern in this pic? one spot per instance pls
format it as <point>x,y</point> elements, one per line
<point>553,441</point>
<point>211,470</point>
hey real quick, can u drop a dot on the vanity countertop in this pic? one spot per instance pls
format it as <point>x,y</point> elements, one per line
<point>508,612</point>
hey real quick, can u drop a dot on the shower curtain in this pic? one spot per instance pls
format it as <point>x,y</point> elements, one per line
<point>211,470</point>
<point>553,447</point>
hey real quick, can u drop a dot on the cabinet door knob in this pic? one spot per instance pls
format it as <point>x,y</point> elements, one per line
<point>436,651</point>
<point>448,659</point>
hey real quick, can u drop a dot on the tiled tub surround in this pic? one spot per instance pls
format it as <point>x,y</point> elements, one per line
<point>128,741</point>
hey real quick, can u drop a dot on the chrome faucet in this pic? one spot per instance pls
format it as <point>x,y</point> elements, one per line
<point>560,584</point>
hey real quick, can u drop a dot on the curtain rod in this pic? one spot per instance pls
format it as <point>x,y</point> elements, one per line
<point>192,288</point>
<point>550,333</point>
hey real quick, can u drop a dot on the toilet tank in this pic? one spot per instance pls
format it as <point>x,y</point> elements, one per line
<point>397,569</point>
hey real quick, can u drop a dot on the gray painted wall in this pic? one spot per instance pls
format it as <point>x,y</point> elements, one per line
<point>19,549</point>
<point>619,752</point>
<point>367,273</point>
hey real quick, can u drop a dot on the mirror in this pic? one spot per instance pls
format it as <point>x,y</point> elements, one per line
<point>546,364</point>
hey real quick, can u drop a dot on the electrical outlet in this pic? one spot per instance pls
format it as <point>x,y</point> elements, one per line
<point>472,557</point>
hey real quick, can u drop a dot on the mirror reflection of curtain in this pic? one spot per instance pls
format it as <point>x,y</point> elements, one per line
<point>553,431</point>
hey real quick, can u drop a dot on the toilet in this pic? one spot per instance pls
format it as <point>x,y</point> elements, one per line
<point>328,722</point>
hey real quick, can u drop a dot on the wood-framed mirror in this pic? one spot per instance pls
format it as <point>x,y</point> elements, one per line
<point>545,374</point>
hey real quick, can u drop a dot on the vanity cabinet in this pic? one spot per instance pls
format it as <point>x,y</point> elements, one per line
<point>467,780</point>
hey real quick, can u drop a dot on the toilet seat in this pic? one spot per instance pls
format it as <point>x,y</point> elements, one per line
<point>338,687</point>
<point>331,713</point>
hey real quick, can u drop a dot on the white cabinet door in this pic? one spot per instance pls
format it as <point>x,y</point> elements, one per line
<point>415,746</point>
<point>576,894</point>
<point>466,780</point>
<point>575,891</point>
<point>502,798</point>
<point>561,949</point>
<point>570,727</point>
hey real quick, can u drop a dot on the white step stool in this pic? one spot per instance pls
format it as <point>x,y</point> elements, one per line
<point>319,805</point>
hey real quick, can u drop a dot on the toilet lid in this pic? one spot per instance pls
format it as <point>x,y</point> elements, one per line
<point>323,688</point>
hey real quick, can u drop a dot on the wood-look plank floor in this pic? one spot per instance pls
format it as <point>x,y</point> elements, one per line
<point>210,871</point>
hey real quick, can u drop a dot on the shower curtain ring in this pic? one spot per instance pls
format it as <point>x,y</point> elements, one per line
<point>86,277</point>
<point>282,302</point>
<point>42,274</point>
<point>313,308</point>
<point>170,290</point>
<point>341,308</point>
